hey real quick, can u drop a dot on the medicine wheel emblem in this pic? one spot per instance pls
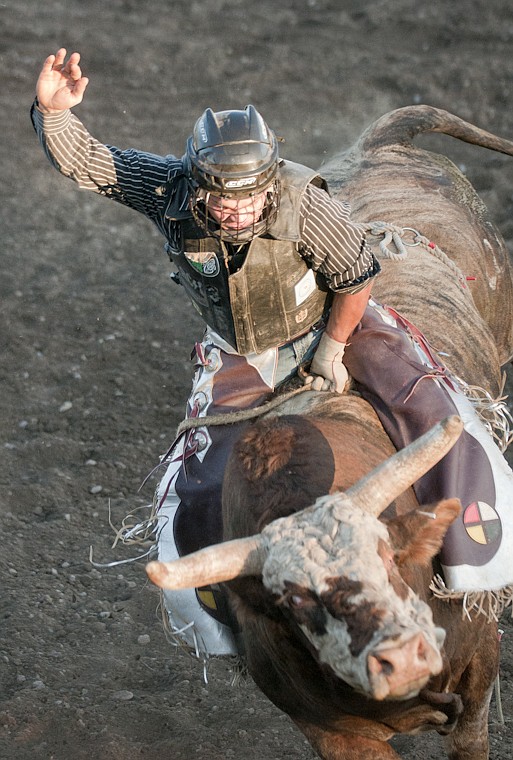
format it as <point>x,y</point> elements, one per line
<point>482,523</point>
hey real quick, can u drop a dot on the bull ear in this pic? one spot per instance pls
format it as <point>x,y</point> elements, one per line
<point>421,533</point>
<point>221,562</point>
<point>379,488</point>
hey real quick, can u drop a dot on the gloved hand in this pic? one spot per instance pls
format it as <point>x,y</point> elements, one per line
<point>327,373</point>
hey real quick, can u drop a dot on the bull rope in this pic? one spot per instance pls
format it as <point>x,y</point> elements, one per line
<point>493,413</point>
<point>241,415</point>
<point>391,233</point>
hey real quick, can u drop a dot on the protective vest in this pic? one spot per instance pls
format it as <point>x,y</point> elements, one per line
<point>274,297</point>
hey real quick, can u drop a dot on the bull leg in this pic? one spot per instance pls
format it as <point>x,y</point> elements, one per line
<point>342,746</point>
<point>469,740</point>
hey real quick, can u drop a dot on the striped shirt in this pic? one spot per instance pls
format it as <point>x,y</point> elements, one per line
<point>330,242</point>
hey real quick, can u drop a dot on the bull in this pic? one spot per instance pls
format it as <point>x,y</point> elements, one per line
<point>328,555</point>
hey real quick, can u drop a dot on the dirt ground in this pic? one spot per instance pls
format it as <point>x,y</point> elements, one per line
<point>95,338</point>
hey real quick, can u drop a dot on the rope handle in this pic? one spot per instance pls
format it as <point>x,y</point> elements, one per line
<point>391,233</point>
<point>191,423</point>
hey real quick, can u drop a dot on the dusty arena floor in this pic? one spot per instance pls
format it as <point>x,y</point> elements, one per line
<point>95,338</point>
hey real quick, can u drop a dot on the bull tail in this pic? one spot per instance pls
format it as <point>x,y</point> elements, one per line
<point>401,126</point>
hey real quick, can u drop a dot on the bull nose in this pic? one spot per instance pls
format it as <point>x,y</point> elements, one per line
<point>400,672</point>
<point>413,653</point>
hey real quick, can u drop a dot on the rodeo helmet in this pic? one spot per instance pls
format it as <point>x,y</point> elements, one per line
<point>233,155</point>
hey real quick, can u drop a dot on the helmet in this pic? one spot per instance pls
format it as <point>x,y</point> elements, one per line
<point>233,155</point>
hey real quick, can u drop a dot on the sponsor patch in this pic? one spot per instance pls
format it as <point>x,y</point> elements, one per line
<point>243,182</point>
<point>482,523</point>
<point>305,287</point>
<point>204,262</point>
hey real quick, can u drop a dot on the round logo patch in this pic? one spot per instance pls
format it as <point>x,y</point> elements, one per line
<point>482,523</point>
<point>205,262</point>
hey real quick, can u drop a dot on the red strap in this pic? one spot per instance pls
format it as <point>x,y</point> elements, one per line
<point>439,369</point>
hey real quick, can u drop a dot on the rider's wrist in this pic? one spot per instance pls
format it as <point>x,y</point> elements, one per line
<point>332,344</point>
<point>45,109</point>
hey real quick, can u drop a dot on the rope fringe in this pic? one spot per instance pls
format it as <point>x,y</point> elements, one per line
<point>494,413</point>
<point>236,664</point>
<point>491,604</point>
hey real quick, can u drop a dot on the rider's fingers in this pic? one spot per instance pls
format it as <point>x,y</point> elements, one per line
<point>75,72</point>
<point>80,86</point>
<point>59,57</point>
<point>321,384</point>
<point>72,67</point>
<point>317,383</point>
<point>48,64</point>
<point>54,62</point>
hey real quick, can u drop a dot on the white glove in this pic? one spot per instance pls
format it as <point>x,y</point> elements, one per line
<point>327,371</point>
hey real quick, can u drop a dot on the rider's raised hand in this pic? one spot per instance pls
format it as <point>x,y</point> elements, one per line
<point>60,84</point>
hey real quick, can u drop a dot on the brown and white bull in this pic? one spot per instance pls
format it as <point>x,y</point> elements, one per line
<point>328,555</point>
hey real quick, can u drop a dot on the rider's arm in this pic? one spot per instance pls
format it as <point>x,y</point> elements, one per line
<point>131,177</point>
<point>333,244</point>
<point>346,312</point>
<point>72,150</point>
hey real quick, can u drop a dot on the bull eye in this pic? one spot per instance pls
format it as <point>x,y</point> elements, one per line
<point>296,600</point>
<point>302,605</point>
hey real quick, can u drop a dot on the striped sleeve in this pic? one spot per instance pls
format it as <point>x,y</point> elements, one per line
<point>129,176</point>
<point>334,245</point>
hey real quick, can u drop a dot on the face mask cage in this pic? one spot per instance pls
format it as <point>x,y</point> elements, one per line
<point>259,225</point>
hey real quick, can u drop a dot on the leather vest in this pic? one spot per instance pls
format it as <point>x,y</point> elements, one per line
<point>274,297</point>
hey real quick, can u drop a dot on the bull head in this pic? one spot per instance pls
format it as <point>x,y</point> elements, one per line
<point>332,570</point>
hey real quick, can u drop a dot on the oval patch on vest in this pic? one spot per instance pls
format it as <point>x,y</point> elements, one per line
<point>482,523</point>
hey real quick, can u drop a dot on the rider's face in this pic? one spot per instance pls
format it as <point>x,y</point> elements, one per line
<point>236,213</point>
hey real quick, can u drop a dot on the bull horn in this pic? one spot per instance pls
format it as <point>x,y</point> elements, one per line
<point>375,491</point>
<point>221,562</point>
